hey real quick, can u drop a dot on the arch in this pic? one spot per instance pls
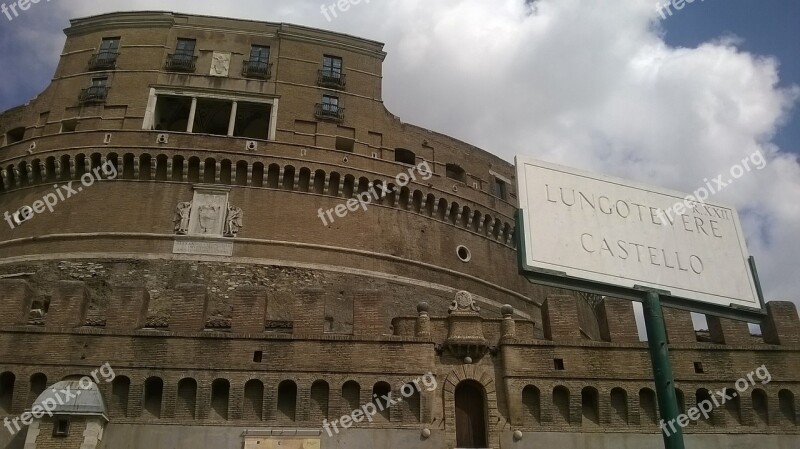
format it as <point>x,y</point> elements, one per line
<point>379,390</point>
<point>161,167</point>
<point>732,408</point>
<point>787,407</point>
<point>319,400</point>
<point>225,172</point>
<point>241,173</point>
<point>153,394</point>
<point>38,383</point>
<point>120,389</point>
<point>194,169</point>
<point>405,198</point>
<point>506,232</point>
<point>145,166</point>
<point>681,400</point>
<point>619,406</point>
<point>95,161</point>
<point>441,212</point>
<point>351,391</point>
<point>128,166</point>
<point>471,415</point>
<point>378,189</point>
<point>210,171</point>
<point>333,184</point>
<point>319,182</point>
<point>453,214</point>
<point>24,173</point>
<point>273,176</point>
<point>113,159</point>
<point>561,404</point>
<point>50,169</point>
<point>287,400</point>
<point>430,204</point>
<point>476,221</point>
<point>348,190</point>
<point>36,172</point>
<point>363,185</point>
<point>411,403</point>
<point>700,396</point>
<point>590,406</point>
<point>66,173</point>
<point>186,405</point>
<point>647,406</point>
<point>258,174</point>
<point>253,400</point>
<point>416,202</point>
<point>391,195</point>
<point>220,396</point>
<point>487,223</point>
<point>11,176</point>
<point>531,405</point>
<point>288,178</point>
<point>760,407</point>
<point>304,181</point>
<point>178,163</point>
<point>7,381</point>
<point>465,216</point>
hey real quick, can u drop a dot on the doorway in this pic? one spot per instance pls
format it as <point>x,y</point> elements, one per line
<point>470,415</point>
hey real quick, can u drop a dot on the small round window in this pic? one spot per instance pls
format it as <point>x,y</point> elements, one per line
<point>463,253</point>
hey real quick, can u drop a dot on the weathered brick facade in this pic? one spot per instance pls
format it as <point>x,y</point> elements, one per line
<point>305,321</point>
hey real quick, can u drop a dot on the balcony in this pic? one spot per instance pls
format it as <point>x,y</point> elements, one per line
<point>257,69</point>
<point>329,112</point>
<point>179,62</point>
<point>330,79</point>
<point>106,60</point>
<point>94,94</point>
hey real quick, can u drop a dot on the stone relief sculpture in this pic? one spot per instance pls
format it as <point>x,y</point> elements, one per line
<point>208,216</point>
<point>233,221</point>
<point>182,216</point>
<point>220,64</point>
<point>464,303</point>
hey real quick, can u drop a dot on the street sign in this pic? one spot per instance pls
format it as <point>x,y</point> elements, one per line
<point>609,231</point>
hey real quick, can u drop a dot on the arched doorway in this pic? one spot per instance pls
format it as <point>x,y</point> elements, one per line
<point>470,400</point>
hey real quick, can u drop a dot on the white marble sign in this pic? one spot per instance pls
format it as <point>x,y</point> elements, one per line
<point>618,232</point>
<point>202,247</point>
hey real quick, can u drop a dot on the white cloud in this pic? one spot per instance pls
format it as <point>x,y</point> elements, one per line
<point>587,84</point>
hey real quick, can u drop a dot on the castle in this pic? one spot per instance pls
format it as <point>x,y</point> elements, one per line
<point>166,280</point>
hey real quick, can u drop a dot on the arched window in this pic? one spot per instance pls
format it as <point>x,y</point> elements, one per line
<point>561,404</point>
<point>319,400</point>
<point>220,394</point>
<point>253,400</point>
<point>619,406</point>
<point>351,391</point>
<point>187,399</point>
<point>38,385</point>
<point>787,407</point>
<point>647,406</point>
<point>380,390</point>
<point>153,392</point>
<point>704,395</point>
<point>531,405</point>
<point>120,387</point>
<point>411,403</point>
<point>590,406</point>
<point>455,172</point>
<point>471,415</point>
<point>7,381</point>
<point>732,408</point>
<point>760,407</point>
<point>287,400</point>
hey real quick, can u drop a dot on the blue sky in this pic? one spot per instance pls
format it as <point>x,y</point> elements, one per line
<point>765,27</point>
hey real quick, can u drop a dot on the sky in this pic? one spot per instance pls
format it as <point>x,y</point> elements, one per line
<point>605,86</point>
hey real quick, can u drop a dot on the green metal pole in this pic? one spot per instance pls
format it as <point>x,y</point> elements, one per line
<point>662,370</point>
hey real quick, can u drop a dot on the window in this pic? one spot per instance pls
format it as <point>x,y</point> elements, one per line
<point>698,367</point>
<point>106,56</point>
<point>258,356</point>
<point>183,60</point>
<point>15,135</point>
<point>405,156</point>
<point>97,92</point>
<point>453,171</point>
<point>332,66</point>
<point>331,74</point>
<point>69,126</point>
<point>500,189</point>
<point>258,65</point>
<point>329,108</point>
<point>61,427</point>
<point>558,364</point>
